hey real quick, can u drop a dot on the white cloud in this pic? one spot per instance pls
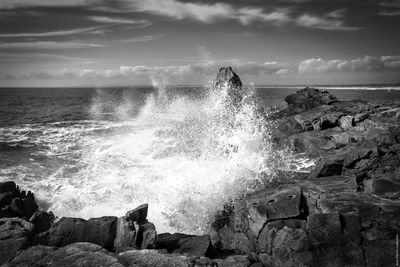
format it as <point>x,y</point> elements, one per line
<point>52,33</point>
<point>367,63</point>
<point>144,38</point>
<point>327,22</point>
<point>113,20</point>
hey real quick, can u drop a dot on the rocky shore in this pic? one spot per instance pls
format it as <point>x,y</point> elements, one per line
<point>346,212</point>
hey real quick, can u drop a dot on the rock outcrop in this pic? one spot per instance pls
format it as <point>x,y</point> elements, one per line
<point>228,80</point>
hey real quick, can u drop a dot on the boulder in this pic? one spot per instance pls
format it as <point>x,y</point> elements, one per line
<point>100,231</point>
<point>15,235</point>
<point>346,122</point>
<point>181,243</point>
<point>147,236</point>
<point>308,98</point>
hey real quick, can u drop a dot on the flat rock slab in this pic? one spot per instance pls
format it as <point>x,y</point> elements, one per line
<point>181,243</point>
<point>325,229</point>
<point>100,231</point>
<point>266,207</point>
<point>138,214</point>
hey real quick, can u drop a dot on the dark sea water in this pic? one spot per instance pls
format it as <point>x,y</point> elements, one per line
<point>89,152</point>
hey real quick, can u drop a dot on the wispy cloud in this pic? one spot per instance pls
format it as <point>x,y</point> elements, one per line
<point>93,30</point>
<point>47,45</point>
<point>114,20</point>
<point>144,38</point>
<point>332,21</point>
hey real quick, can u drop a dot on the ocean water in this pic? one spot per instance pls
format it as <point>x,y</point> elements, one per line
<point>89,152</point>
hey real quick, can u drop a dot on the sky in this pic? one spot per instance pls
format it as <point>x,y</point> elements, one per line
<point>47,43</point>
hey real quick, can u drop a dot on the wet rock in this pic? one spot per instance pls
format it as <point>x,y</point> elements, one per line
<point>308,98</point>
<point>15,235</point>
<point>139,214</point>
<point>181,243</point>
<point>8,186</point>
<point>100,231</point>
<point>265,207</point>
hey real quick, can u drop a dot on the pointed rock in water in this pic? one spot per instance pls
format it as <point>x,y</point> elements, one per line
<point>227,77</point>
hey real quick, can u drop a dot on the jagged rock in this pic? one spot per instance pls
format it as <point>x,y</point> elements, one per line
<point>265,207</point>
<point>181,243</point>
<point>308,98</point>
<point>229,80</point>
<point>15,234</point>
<point>359,117</point>
<point>76,254</point>
<point>42,221</point>
<point>100,231</point>
<point>138,214</point>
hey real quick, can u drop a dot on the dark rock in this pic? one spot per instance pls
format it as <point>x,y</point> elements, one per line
<point>31,256</point>
<point>233,261</point>
<point>8,186</point>
<point>229,80</point>
<point>380,252</point>
<point>361,117</point>
<point>100,231</point>
<point>15,235</point>
<point>265,207</point>
<point>139,214</point>
<point>385,187</point>
<point>181,243</point>
<point>325,229</point>
<point>327,166</point>
<point>308,98</point>
<point>42,221</point>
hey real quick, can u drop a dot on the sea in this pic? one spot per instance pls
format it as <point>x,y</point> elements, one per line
<point>91,152</point>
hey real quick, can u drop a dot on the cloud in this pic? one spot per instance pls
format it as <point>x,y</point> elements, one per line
<point>367,63</point>
<point>113,20</point>
<point>144,38</point>
<point>389,13</point>
<point>330,21</point>
<point>47,45</point>
<point>179,73</point>
<point>93,30</point>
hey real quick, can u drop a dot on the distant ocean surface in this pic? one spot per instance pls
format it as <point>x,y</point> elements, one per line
<point>88,152</point>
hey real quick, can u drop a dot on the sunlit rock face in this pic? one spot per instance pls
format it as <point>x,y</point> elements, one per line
<point>228,80</point>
